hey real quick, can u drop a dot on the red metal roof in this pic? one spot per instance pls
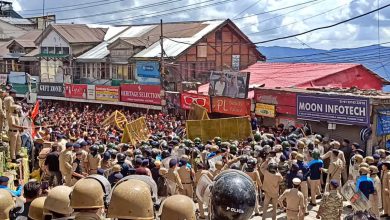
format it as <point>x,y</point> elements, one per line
<point>274,75</point>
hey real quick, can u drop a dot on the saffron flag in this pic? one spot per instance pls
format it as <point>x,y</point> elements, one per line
<point>35,111</point>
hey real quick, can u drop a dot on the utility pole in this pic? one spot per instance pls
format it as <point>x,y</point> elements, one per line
<point>43,14</point>
<point>162,69</point>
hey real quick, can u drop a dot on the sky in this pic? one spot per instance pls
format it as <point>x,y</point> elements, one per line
<point>259,19</point>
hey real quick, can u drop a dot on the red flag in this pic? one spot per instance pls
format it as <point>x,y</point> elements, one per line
<point>35,111</point>
<point>33,132</point>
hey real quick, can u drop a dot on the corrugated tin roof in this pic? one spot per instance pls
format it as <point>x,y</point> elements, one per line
<point>273,75</point>
<point>100,51</point>
<point>80,33</point>
<point>172,48</point>
<point>16,21</point>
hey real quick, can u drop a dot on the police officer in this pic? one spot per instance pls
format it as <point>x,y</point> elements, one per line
<point>35,211</point>
<point>272,180</point>
<point>199,173</point>
<point>3,114</point>
<point>386,188</point>
<point>66,161</point>
<point>131,199</point>
<point>335,145</point>
<point>255,176</point>
<point>77,172</point>
<point>335,167</point>
<point>228,203</point>
<point>173,178</point>
<point>93,160</point>
<point>178,207</point>
<point>14,129</point>
<point>304,169</point>
<point>87,198</point>
<point>315,167</point>
<point>58,203</point>
<point>295,209</point>
<point>332,202</point>
<point>186,175</point>
<point>376,201</point>
<point>125,168</point>
<point>356,160</point>
<point>6,204</point>
<point>9,101</point>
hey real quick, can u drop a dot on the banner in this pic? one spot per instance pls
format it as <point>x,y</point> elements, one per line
<point>265,110</point>
<point>173,100</point>
<point>77,91</point>
<point>230,84</point>
<point>383,122</point>
<point>145,94</point>
<point>149,69</point>
<point>226,128</point>
<point>51,89</point>
<point>91,92</point>
<point>188,98</point>
<point>3,79</point>
<point>284,102</point>
<point>225,105</point>
<point>107,93</point>
<point>334,109</point>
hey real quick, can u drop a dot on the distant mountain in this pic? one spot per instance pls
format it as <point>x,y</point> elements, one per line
<point>375,58</point>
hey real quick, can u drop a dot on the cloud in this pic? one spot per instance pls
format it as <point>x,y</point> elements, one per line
<point>258,27</point>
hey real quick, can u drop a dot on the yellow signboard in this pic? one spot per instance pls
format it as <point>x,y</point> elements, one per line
<point>265,110</point>
<point>226,128</point>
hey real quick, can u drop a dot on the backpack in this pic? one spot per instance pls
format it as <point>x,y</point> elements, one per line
<point>162,187</point>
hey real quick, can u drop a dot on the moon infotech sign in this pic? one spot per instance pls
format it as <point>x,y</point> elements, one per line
<point>334,109</point>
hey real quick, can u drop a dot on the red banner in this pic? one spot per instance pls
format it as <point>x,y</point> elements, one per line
<point>225,105</point>
<point>285,102</point>
<point>145,94</point>
<point>77,91</point>
<point>188,98</point>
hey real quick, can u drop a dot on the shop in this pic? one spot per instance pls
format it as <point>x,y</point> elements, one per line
<point>358,115</point>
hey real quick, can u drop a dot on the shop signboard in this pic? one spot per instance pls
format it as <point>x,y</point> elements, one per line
<point>76,91</point>
<point>91,92</point>
<point>107,93</point>
<point>230,106</point>
<point>51,89</point>
<point>265,110</point>
<point>383,122</point>
<point>334,109</point>
<point>188,98</point>
<point>144,94</point>
<point>150,69</point>
<point>284,102</point>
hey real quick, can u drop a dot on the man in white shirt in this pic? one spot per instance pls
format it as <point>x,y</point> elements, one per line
<point>219,86</point>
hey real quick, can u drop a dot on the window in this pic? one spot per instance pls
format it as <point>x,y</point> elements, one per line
<point>51,50</point>
<point>44,50</point>
<point>202,50</point>
<point>121,71</point>
<point>58,50</point>
<point>193,70</point>
<point>218,35</point>
<point>65,50</point>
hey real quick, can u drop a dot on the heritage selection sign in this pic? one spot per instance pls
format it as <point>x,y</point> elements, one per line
<point>334,109</point>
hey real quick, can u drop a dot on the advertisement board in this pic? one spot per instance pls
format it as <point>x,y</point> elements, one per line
<point>383,122</point>
<point>188,98</point>
<point>265,110</point>
<point>173,100</point>
<point>3,79</point>
<point>229,84</point>
<point>91,92</point>
<point>107,93</point>
<point>226,105</point>
<point>334,109</point>
<point>51,89</point>
<point>285,102</point>
<point>149,69</point>
<point>76,91</point>
<point>145,94</point>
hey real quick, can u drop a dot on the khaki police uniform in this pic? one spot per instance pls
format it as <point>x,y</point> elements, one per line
<point>199,174</point>
<point>386,192</point>
<point>174,181</point>
<point>295,209</point>
<point>255,176</point>
<point>15,140</point>
<point>3,115</point>
<point>186,175</point>
<point>66,164</point>
<point>94,163</point>
<point>8,102</point>
<point>334,172</point>
<point>271,189</point>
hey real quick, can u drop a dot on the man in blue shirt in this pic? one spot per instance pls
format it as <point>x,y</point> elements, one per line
<point>315,166</point>
<point>4,185</point>
<point>364,183</point>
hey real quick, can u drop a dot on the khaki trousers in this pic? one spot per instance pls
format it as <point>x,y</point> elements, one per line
<point>68,179</point>
<point>15,143</point>
<point>201,209</point>
<point>305,191</point>
<point>188,190</point>
<point>314,189</point>
<point>386,202</point>
<point>292,215</point>
<point>274,202</point>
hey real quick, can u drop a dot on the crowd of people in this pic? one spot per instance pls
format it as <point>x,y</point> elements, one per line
<point>85,172</point>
